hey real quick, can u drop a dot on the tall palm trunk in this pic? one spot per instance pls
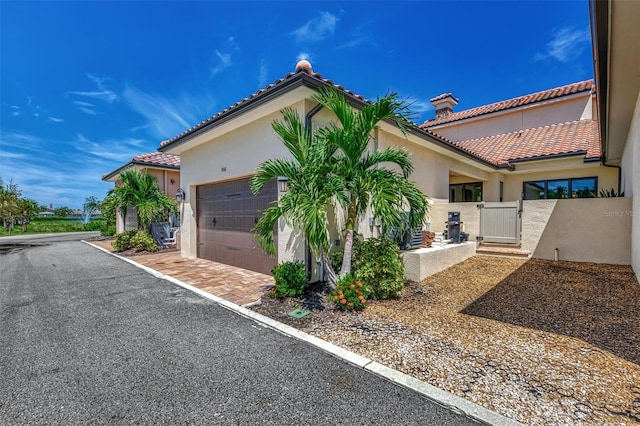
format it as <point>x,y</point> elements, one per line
<point>348,243</point>
<point>329,273</point>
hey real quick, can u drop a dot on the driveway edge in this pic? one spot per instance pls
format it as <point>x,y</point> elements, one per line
<point>437,395</point>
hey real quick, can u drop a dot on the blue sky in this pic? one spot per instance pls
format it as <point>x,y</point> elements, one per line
<point>84,86</point>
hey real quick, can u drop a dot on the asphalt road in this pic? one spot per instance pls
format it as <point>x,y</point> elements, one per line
<point>86,338</point>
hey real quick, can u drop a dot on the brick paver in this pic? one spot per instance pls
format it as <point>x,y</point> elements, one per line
<point>237,285</point>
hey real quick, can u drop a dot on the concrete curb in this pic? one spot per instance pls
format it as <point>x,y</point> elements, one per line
<point>439,396</point>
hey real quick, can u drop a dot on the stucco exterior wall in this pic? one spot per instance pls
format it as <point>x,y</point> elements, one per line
<point>631,182</point>
<point>231,156</point>
<point>586,230</point>
<point>574,108</point>
<point>431,169</point>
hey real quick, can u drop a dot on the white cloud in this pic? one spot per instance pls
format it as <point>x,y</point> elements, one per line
<point>100,94</point>
<point>420,107</point>
<point>120,150</point>
<point>88,111</point>
<point>165,118</point>
<point>303,56</point>
<point>6,155</point>
<point>316,29</point>
<point>566,44</point>
<point>263,73</point>
<point>224,62</point>
<point>83,103</point>
<point>15,113</point>
<point>360,36</point>
<point>56,120</point>
<point>103,95</point>
<point>20,140</point>
<point>98,80</point>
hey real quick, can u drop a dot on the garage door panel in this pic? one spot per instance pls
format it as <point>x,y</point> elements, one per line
<point>234,209</point>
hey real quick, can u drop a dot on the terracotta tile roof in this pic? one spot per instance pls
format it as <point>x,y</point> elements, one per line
<point>573,137</point>
<point>157,159</point>
<point>260,93</point>
<point>557,92</point>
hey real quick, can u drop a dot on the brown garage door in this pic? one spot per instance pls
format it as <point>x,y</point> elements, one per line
<point>227,212</point>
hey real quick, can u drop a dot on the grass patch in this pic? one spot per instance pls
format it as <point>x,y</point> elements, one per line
<point>46,225</point>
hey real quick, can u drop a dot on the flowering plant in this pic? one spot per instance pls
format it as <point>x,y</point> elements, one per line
<point>350,294</point>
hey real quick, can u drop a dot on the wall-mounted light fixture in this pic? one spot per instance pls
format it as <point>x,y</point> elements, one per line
<point>283,184</point>
<point>180,195</point>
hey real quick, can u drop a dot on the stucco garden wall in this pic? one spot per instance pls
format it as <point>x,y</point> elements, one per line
<point>585,230</point>
<point>631,182</point>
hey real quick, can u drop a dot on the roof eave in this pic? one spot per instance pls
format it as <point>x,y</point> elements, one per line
<point>138,163</point>
<point>599,18</point>
<point>434,138</point>
<point>298,80</point>
<point>548,157</point>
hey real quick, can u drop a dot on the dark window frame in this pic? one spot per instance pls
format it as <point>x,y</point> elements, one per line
<point>569,189</point>
<point>475,184</point>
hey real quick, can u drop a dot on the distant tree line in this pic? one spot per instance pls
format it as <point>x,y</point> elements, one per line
<point>14,208</point>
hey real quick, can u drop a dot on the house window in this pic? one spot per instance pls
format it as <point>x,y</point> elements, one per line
<point>560,188</point>
<point>462,192</point>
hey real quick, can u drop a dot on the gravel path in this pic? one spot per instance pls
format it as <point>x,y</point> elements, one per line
<point>541,342</point>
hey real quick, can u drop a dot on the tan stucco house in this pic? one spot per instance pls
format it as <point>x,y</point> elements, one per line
<point>616,43</point>
<point>164,167</point>
<point>542,149</point>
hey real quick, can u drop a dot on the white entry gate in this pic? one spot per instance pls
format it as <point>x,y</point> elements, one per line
<point>500,222</point>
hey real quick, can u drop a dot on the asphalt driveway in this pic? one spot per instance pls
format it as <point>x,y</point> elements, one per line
<point>86,338</point>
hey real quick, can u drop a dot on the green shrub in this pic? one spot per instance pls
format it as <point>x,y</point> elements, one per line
<point>95,225</point>
<point>350,294</point>
<point>143,241</point>
<point>123,240</point>
<point>335,257</point>
<point>377,263</point>
<point>108,231</point>
<point>291,279</point>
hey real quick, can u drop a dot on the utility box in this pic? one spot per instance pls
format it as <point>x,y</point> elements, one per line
<point>453,227</point>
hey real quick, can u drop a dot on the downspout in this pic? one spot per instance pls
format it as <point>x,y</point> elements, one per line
<point>604,163</point>
<point>307,124</point>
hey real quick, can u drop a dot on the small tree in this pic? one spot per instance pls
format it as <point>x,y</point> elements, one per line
<point>63,211</point>
<point>26,209</point>
<point>141,191</point>
<point>364,175</point>
<point>9,196</point>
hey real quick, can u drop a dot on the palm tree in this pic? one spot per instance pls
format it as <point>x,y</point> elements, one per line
<point>313,188</point>
<point>332,168</point>
<point>364,178</point>
<point>141,191</point>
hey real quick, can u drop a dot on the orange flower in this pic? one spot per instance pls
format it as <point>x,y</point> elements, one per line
<point>358,291</point>
<point>350,305</point>
<point>335,298</point>
<point>359,283</point>
<point>361,299</point>
<point>343,301</point>
<point>353,286</point>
